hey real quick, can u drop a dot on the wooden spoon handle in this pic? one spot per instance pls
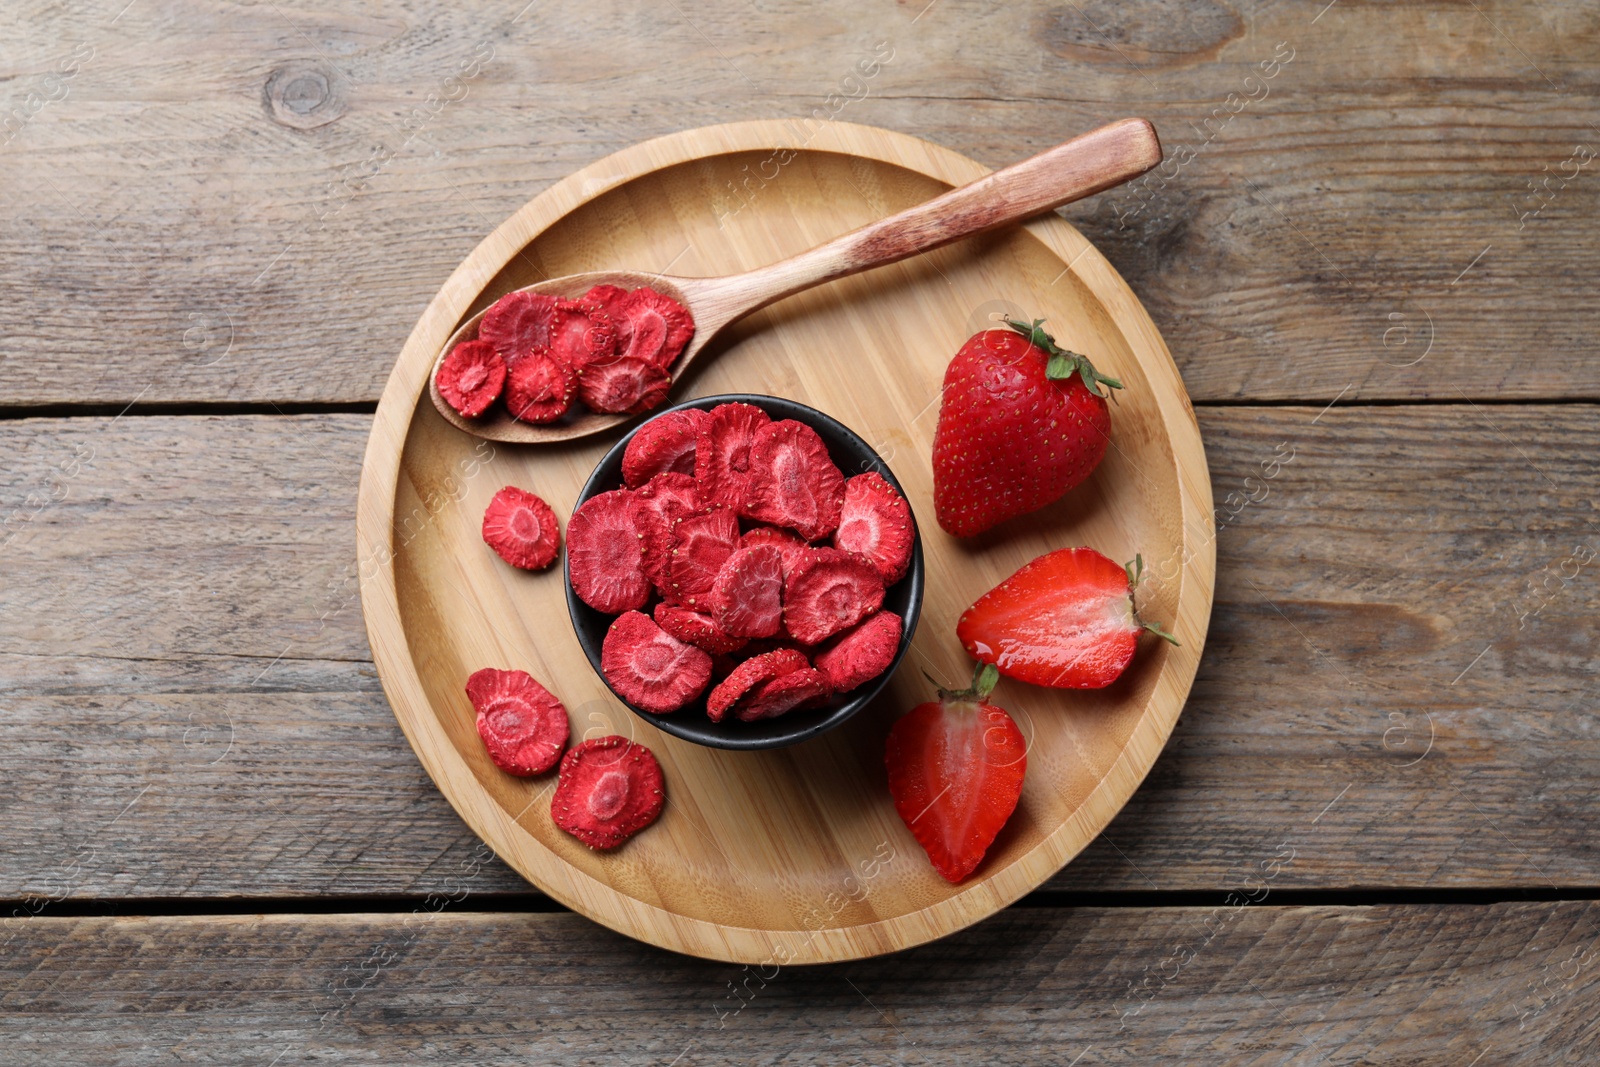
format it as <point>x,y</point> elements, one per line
<point>1083,166</point>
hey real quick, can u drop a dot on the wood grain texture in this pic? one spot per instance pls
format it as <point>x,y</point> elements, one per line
<point>1430,987</point>
<point>753,851</point>
<point>252,204</point>
<point>194,587</point>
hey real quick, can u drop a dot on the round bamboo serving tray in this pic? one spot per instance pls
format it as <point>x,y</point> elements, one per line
<point>791,855</point>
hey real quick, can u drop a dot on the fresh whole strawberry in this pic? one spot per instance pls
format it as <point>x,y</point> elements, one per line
<point>955,772</point>
<point>1021,421</point>
<point>1066,620</point>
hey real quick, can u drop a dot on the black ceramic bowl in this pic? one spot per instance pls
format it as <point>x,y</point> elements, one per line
<point>853,456</point>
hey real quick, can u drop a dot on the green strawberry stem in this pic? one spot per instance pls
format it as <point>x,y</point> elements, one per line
<point>1135,571</point>
<point>1063,363</point>
<point>985,676</point>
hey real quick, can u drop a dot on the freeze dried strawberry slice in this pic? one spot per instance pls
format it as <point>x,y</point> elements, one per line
<point>657,504</point>
<point>650,668</point>
<point>582,334</point>
<point>722,461</point>
<point>697,628</point>
<point>518,323</point>
<point>783,694</point>
<point>664,445</point>
<point>623,386</point>
<point>522,725</point>
<point>603,560</point>
<point>747,596</point>
<point>522,529</point>
<point>876,523</point>
<point>828,591</point>
<point>785,541</point>
<point>697,547</point>
<point>861,654</point>
<point>749,674</point>
<point>470,377</point>
<point>609,789</point>
<point>651,327</point>
<point>795,483</point>
<point>605,297</point>
<point>539,387</point>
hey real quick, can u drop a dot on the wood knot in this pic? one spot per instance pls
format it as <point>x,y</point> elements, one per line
<point>304,94</point>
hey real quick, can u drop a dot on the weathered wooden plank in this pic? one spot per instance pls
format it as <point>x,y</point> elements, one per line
<point>1508,983</point>
<point>254,203</point>
<point>189,707</point>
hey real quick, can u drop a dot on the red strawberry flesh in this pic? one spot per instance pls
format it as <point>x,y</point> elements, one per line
<point>522,529</point>
<point>522,725</point>
<point>828,591</point>
<point>747,595</point>
<point>699,629</point>
<point>722,460</point>
<point>651,326</point>
<point>623,386</point>
<point>518,323</point>
<point>748,675</point>
<point>609,789</point>
<point>861,654</point>
<point>664,445</point>
<point>875,522</point>
<point>650,668</point>
<point>783,694</point>
<point>697,547</point>
<point>796,483</point>
<point>539,387</point>
<point>1064,620</point>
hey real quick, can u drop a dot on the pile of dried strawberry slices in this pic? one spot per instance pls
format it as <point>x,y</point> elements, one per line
<point>744,572</point>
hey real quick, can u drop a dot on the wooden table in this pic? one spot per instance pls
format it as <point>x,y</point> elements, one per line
<point>1373,255</point>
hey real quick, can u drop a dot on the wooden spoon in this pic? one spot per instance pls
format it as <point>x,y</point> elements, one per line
<point>1083,166</point>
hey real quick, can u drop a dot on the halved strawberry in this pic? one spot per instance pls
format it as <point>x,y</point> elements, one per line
<point>750,674</point>
<point>623,386</point>
<point>657,504</point>
<point>861,654</point>
<point>539,386</point>
<point>518,323</point>
<point>795,482</point>
<point>522,529</point>
<point>876,523</point>
<point>649,667</point>
<point>828,591</point>
<point>697,547</point>
<point>651,327</point>
<point>470,377</point>
<point>722,460</point>
<point>699,629</point>
<point>522,725</point>
<point>955,772</point>
<point>747,595</point>
<point>1065,620</point>
<point>603,558</point>
<point>609,789</point>
<point>796,689</point>
<point>664,445</point>
<point>582,334</point>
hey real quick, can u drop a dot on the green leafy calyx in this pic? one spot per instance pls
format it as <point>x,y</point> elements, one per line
<point>1063,364</point>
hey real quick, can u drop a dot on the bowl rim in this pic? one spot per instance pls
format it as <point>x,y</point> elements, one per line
<point>608,469</point>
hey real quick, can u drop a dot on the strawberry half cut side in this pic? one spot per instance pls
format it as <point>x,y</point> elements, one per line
<point>522,529</point>
<point>1064,620</point>
<point>522,725</point>
<point>470,377</point>
<point>955,772</point>
<point>649,667</point>
<point>609,789</point>
<point>603,557</point>
<point>876,523</point>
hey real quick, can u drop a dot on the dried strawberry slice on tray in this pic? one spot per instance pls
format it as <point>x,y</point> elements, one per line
<point>722,460</point>
<point>651,326</point>
<point>609,789</point>
<point>750,674</point>
<point>664,445</point>
<point>861,654</point>
<point>697,547</point>
<point>697,628</point>
<point>522,529</point>
<point>657,504</point>
<point>471,377</point>
<point>582,334</point>
<point>518,323</point>
<point>623,386</point>
<point>539,387</point>
<point>649,667</point>
<point>747,594</point>
<point>783,694</point>
<point>523,726</point>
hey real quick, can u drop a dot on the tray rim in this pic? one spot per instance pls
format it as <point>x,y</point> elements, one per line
<point>595,899</point>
